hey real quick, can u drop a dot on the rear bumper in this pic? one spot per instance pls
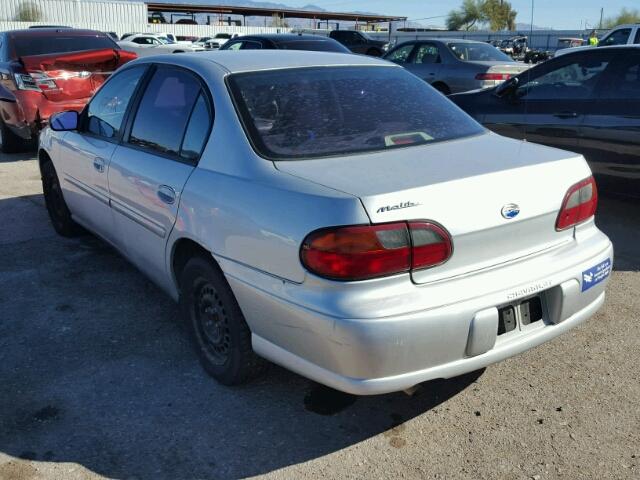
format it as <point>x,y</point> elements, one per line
<point>31,111</point>
<point>349,342</point>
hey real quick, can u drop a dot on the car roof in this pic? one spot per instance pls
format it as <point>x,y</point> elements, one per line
<point>286,37</point>
<point>441,40</point>
<point>34,32</point>
<point>255,60</point>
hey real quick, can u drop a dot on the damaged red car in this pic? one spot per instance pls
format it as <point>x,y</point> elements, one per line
<point>44,71</point>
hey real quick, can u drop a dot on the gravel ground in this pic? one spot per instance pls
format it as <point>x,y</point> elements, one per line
<point>97,379</point>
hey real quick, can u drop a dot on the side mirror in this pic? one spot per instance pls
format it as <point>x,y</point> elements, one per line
<point>64,121</point>
<point>507,87</point>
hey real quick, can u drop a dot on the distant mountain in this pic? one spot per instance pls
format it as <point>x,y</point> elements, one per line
<point>527,27</point>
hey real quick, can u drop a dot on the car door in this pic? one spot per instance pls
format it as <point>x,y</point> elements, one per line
<point>83,156</point>
<point>426,62</point>
<point>354,42</point>
<point>162,144</point>
<point>610,138</point>
<point>557,95</point>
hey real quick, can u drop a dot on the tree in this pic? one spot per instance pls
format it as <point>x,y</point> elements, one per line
<point>496,14</point>
<point>499,14</point>
<point>625,16</point>
<point>466,17</point>
<point>28,12</point>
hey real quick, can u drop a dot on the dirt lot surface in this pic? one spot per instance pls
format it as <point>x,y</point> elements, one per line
<point>98,379</point>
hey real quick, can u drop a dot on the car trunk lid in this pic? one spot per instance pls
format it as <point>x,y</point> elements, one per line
<point>498,198</point>
<point>74,75</point>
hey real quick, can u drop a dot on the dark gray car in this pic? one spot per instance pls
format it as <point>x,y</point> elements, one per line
<point>453,65</point>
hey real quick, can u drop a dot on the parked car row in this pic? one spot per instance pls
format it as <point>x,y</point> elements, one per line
<point>587,101</point>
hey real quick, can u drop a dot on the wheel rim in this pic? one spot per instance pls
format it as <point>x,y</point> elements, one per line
<point>212,323</point>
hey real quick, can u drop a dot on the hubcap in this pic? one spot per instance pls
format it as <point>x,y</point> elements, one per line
<point>212,323</point>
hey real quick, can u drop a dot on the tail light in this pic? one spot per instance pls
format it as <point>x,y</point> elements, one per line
<point>579,204</point>
<point>493,76</point>
<point>371,251</point>
<point>37,81</point>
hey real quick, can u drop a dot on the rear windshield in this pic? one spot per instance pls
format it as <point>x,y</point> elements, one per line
<point>314,45</point>
<point>316,112</point>
<point>478,52</point>
<point>58,42</point>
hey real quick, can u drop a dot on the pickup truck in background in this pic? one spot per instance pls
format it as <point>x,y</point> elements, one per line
<point>360,42</point>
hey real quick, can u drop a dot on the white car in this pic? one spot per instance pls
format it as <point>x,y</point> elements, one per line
<point>367,240</point>
<point>215,42</point>
<point>621,35</point>
<point>144,44</point>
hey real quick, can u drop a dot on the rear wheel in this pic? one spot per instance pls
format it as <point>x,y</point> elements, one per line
<point>218,329</point>
<point>9,141</point>
<point>442,88</point>
<point>56,205</point>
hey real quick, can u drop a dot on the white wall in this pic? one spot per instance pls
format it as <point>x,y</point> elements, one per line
<point>110,16</point>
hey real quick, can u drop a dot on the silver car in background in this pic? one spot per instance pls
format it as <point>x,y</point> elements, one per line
<point>454,65</point>
<point>296,212</point>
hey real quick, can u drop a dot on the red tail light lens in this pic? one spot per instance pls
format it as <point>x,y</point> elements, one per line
<point>371,251</point>
<point>493,76</point>
<point>579,204</point>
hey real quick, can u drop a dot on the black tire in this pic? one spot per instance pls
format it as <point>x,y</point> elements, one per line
<point>219,332</point>
<point>442,88</point>
<point>374,52</point>
<point>56,206</point>
<point>9,141</point>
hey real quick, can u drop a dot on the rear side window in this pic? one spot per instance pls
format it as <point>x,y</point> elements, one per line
<point>107,108</point>
<point>197,131</point>
<point>165,109</point>
<point>59,42</point>
<point>313,45</point>
<point>622,81</point>
<point>315,112</point>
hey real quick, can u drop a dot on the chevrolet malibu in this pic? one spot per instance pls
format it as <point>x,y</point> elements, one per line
<point>301,211</point>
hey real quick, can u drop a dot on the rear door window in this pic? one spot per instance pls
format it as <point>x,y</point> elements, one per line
<point>164,110</point>
<point>622,81</point>
<point>427,53</point>
<point>105,112</point>
<point>251,45</point>
<point>571,79</point>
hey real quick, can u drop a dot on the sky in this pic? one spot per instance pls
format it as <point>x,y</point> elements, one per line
<point>558,14</point>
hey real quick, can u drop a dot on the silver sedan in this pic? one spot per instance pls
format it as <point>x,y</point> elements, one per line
<point>454,65</point>
<point>298,214</point>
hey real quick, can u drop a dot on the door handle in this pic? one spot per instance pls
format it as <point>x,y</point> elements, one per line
<point>565,115</point>
<point>98,164</point>
<point>166,194</point>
